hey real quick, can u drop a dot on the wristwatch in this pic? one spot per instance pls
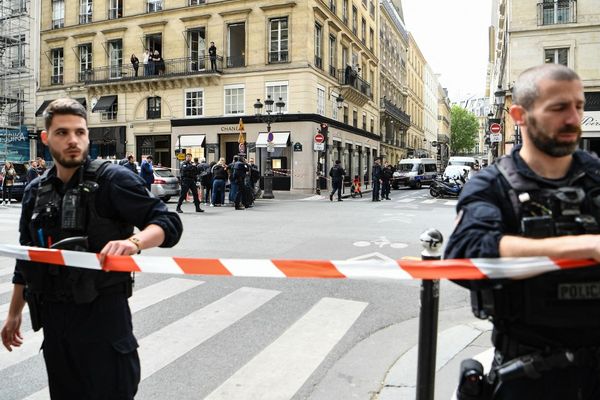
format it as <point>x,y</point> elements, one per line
<point>136,241</point>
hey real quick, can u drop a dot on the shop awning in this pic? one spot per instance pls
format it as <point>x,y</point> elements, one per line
<point>81,100</point>
<point>280,139</point>
<point>105,103</point>
<point>42,108</point>
<point>190,141</point>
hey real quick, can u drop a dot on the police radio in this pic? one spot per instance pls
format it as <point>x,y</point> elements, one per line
<point>74,206</point>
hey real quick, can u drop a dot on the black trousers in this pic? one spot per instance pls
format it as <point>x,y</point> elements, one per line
<point>90,350</point>
<point>188,184</point>
<point>385,189</point>
<point>240,192</point>
<point>337,187</point>
<point>376,189</point>
<point>6,193</point>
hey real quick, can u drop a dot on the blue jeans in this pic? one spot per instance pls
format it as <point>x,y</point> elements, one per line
<point>218,190</point>
<point>233,189</point>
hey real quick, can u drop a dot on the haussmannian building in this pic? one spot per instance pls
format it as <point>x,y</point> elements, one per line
<point>430,110</point>
<point>319,57</point>
<point>444,125</point>
<point>393,44</point>
<point>531,32</point>
<point>415,144</point>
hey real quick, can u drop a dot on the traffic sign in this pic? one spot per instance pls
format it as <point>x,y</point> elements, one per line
<point>495,128</point>
<point>180,156</point>
<point>319,146</point>
<point>495,137</point>
<point>270,147</point>
<point>319,138</point>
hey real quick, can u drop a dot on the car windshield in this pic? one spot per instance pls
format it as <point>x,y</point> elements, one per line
<point>461,163</point>
<point>164,173</point>
<point>407,167</point>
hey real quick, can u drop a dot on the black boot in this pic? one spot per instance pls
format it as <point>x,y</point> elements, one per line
<point>198,209</point>
<point>179,210</point>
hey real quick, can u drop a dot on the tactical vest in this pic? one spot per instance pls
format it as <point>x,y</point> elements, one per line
<point>188,171</point>
<point>49,223</point>
<point>558,309</point>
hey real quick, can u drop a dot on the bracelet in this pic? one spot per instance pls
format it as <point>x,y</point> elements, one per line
<point>136,241</point>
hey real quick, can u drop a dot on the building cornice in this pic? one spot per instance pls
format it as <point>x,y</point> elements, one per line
<point>120,29</point>
<point>280,6</point>
<point>242,11</point>
<point>196,18</point>
<point>153,24</point>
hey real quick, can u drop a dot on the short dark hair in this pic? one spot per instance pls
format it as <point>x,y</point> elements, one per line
<point>149,158</point>
<point>64,106</point>
<point>130,157</point>
<point>188,154</point>
<point>337,161</point>
<point>526,90</point>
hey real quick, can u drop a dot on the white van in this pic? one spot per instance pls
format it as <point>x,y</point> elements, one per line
<point>457,166</point>
<point>414,172</point>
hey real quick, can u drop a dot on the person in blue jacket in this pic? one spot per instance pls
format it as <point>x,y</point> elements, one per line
<point>147,172</point>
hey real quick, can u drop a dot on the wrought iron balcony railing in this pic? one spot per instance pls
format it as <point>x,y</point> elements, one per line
<point>395,112</point>
<point>350,78</point>
<point>557,12</point>
<point>167,69</point>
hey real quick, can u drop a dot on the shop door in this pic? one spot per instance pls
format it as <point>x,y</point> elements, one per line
<point>231,149</point>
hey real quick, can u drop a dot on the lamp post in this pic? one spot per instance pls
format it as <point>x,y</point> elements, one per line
<point>269,118</point>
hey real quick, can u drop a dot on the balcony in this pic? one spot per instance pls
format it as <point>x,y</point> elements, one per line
<point>389,108</point>
<point>557,12</point>
<point>178,67</point>
<point>236,61</point>
<point>354,88</point>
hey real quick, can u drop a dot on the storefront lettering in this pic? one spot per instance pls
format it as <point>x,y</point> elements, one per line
<point>229,129</point>
<point>590,121</point>
<point>12,136</point>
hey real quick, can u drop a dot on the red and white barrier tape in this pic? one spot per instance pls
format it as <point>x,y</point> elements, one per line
<point>493,268</point>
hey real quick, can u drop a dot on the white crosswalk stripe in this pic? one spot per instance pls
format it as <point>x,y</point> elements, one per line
<point>8,270</point>
<point>288,362</point>
<point>6,287</point>
<point>141,299</point>
<point>409,200</point>
<point>283,366</point>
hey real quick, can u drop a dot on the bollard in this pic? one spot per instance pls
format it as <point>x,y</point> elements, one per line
<point>431,240</point>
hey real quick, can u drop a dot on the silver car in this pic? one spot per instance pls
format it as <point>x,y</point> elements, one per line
<point>165,184</point>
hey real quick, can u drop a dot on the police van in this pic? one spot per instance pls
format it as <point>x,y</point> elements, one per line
<point>458,166</point>
<point>414,172</point>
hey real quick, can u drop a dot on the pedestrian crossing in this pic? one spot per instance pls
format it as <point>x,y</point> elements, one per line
<point>277,370</point>
<point>416,197</point>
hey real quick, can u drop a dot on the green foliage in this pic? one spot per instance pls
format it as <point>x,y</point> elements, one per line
<point>464,128</point>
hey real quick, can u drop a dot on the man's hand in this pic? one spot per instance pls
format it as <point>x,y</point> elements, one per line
<point>119,248</point>
<point>11,332</point>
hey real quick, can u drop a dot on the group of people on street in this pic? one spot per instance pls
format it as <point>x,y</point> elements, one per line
<point>381,176</point>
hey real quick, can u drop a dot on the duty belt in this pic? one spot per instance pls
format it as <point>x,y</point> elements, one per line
<point>67,297</point>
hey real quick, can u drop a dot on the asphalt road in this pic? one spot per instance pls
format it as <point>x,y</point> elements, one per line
<point>267,338</point>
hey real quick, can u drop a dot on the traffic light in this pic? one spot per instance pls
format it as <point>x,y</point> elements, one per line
<point>324,129</point>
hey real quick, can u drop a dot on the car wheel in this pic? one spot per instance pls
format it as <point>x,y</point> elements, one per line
<point>417,185</point>
<point>166,199</point>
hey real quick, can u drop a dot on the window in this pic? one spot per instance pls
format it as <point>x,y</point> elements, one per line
<point>196,39</point>
<point>154,6</point>
<point>363,28</point>
<point>355,118</point>
<point>557,56</point>
<point>344,56</point>
<point>115,9</point>
<point>236,45</point>
<point>332,5</point>
<point>318,46</point>
<point>196,2</point>
<point>194,103</point>
<point>372,8</point>
<point>85,61</point>
<point>85,11</point>
<point>111,113</point>
<point>153,109</point>
<point>372,125</point>
<point>321,101</point>
<point>278,40</point>
<point>234,100</point>
<point>332,56</point>
<point>371,39</point>
<point>346,115</point>
<point>364,121</point>
<point>115,58</point>
<point>277,90</point>
<point>58,14</point>
<point>354,20</point>
<point>57,66</point>
<point>551,12</point>
<point>345,11</point>
<point>334,105</point>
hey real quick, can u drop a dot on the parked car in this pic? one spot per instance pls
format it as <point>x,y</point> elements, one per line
<point>166,184</point>
<point>20,181</point>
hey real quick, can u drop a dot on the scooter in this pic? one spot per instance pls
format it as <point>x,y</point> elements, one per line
<point>448,187</point>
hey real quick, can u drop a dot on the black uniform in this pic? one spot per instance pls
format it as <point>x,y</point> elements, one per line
<point>386,176</point>
<point>543,316</point>
<point>212,53</point>
<point>337,180</point>
<point>189,172</point>
<point>240,169</point>
<point>89,347</point>
<point>376,175</point>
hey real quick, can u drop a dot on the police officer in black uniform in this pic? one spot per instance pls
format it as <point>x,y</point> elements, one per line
<point>89,347</point>
<point>376,174</point>
<point>542,200</point>
<point>189,172</point>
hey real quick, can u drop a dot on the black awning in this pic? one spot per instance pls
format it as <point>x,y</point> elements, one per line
<point>81,100</point>
<point>105,103</point>
<point>42,108</point>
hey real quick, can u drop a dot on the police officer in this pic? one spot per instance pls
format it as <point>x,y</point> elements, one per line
<point>337,180</point>
<point>386,177</point>
<point>89,347</point>
<point>240,169</point>
<point>542,200</point>
<point>189,172</point>
<point>376,174</point>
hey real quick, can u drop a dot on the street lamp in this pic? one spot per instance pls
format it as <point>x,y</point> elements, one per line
<point>268,118</point>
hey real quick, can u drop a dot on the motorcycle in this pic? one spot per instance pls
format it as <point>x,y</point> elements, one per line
<point>447,187</point>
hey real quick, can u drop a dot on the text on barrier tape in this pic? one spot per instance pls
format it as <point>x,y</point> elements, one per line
<point>470,269</point>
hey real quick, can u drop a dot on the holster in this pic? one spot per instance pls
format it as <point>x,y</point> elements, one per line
<point>34,302</point>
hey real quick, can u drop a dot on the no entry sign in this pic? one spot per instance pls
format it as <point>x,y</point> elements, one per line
<point>495,128</point>
<point>319,138</point>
